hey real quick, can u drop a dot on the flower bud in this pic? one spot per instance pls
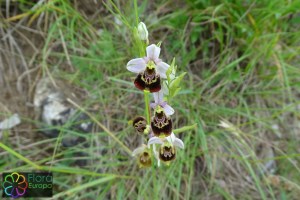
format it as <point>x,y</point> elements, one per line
<point>143,32</point>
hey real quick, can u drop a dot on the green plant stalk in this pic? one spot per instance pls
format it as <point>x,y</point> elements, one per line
<point>154,181</point>
<point>147,105</point>
<point>136,12</point>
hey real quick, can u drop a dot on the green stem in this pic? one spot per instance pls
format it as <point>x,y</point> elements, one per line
<point>147,105</point>
<point>185,128</point>
<point>136,12</point>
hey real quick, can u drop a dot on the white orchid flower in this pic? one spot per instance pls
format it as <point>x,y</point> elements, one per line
<point>167,151</point>
<point>149,69</point>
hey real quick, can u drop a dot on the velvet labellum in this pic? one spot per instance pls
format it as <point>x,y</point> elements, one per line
<point>148,80</point>
<point>144,156</point>
<point>140,124</point>
<point>161,124</point>
<point>167,153</point>
<point>145,159</point>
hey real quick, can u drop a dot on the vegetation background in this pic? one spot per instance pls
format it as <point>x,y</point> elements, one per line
<point>242,59</point>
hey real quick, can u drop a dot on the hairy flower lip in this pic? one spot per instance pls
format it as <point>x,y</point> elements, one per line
<point>140,124</point>
<point>163,131</point>
<point>167,153</point>
<point>153,86</point>
<point>145,159</point>
<point>143,154</point>
<point>161,124</point>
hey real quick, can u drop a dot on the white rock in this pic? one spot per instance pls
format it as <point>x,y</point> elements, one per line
<point>11,122</point>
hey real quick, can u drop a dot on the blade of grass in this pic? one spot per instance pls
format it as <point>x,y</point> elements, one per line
<point>83,186</point>
<point>16,154</point>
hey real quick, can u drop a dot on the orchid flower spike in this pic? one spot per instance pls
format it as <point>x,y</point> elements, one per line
<point>143,154</point>
<point>159,101</point>
<point>167,151</point>
<point>149,69</point>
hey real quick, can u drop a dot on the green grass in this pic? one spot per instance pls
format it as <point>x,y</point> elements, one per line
<point>242,64</point>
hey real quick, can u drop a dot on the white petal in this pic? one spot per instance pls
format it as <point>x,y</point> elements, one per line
<point>153,52</point>
<point>155,96</point>
<point>155,140</point>
<point>153,105</point>
<point>168,110</point>
<point>171,138</point>
<point>138,150</point>
<point>155,152</point>
<point>136,65</point>
<point>158,96</point>
<point>156,156</point>
<point>178,143</point>
<point>161,68</point>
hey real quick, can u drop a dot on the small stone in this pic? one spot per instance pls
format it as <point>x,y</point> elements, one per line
<point>10,122</point>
